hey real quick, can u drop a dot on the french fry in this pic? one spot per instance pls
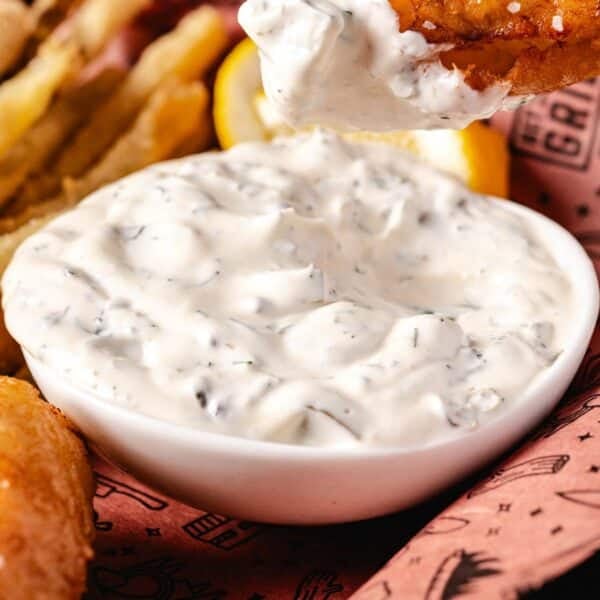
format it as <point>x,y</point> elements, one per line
<point>40,8</point>
<point>171,115</point>
<point>16,25</point>
<point>48,14</point>
<point>186,52</point>
<point>199,140</point>
<point>25,97</point>
<point>98,20</point>
<point>43,140</point>
<point>35,190</point>
<point>32,214</point>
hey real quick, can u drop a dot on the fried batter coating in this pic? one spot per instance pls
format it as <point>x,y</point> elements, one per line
<point>535,46</point>
<point>46,490</point>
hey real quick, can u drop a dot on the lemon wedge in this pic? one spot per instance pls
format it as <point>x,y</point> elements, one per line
<point>236,86</point>
<point>477,155</point>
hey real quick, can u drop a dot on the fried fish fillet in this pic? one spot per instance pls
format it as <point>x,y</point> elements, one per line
<point>46,489</point>
<point>535,46</point>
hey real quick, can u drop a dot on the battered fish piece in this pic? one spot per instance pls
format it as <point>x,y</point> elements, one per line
<point>46,489</point>
<point>536,46</point>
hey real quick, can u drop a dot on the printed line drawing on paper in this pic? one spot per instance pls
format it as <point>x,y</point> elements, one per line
<point>589,498</point>
<point>566,415</point>
<point>101,525</point>
<point>443,525</point>
<point>459,573</point>
<point>535,467</point>
<point>222,532</point>
<point>318,585</point>
<point>380,590</point>
<point>157,579</point>
<point>106,486</point>
<point>560,129</point>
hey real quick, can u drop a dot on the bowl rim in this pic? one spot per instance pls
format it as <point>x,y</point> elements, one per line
<point>586,298</point>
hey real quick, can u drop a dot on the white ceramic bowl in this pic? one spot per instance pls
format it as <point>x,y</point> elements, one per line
<point>280,483</point>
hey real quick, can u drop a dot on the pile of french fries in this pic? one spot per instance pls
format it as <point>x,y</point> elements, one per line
<point>73,118</point>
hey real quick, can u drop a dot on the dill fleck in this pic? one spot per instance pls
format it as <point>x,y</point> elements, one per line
<point>202,399</point>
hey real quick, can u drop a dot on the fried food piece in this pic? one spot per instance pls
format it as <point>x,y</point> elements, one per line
<point>98,20</point>
<point>170,117</point>
<point>25,97</point>
<point>41,7</point>
<point>538,71</point>
<point>42,141</point>
<point>38,188</point>
<point>201,138</point>
<point>459,21</point>
<point>33,213</point>
<point>46,489</point>
<point>46,15</point>
<point>16,25</point>
<point>51,11</point>
<point>93,26</point>
<point>534,45</point>
<point>187,52</point>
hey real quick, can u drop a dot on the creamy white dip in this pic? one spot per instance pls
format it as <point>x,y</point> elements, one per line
<point>309,291</point>
<point>345,64</point>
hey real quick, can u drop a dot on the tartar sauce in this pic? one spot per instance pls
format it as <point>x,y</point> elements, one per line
<point>307,290</point>
<point>345,64</point>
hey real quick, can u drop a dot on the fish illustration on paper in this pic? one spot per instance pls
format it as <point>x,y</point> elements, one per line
<point>535,467</point>
<point>158,579</point>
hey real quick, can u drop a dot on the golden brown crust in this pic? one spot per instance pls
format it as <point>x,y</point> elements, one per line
<point>46,489</point>
<point>542,46</point>
<point>466,21</point>
<point>528,68</point>
<point>537,72</point>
